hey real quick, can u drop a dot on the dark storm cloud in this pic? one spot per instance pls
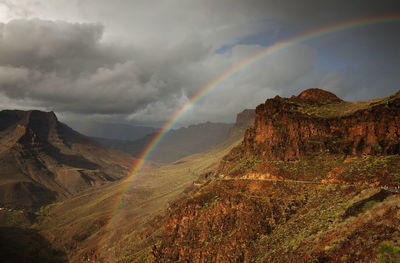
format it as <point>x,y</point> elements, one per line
<point>65,66</point>
<point>144,59</point>
<point>50,46</point>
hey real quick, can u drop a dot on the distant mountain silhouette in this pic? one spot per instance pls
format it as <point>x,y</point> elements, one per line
<point>177,143</point>
<point>114,131</point>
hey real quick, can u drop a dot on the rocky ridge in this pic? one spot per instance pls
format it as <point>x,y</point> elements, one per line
<point>316,127</point>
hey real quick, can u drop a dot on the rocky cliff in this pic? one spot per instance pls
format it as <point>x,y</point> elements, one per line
<point>43,160</point>
<point>306,129</point>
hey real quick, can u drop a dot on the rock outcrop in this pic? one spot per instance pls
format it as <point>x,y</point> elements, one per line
<point>285,130</point>
<point>318,123</point>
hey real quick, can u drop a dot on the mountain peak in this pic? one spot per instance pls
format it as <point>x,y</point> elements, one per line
<point>43,160</point>
<point>318,96</point>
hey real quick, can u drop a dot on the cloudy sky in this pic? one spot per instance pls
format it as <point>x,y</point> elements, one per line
<point>140,61</point>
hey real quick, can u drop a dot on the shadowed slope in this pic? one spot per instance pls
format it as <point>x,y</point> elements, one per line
<point>24,245</point>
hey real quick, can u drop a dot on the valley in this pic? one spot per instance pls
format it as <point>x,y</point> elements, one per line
<point>80,225</point>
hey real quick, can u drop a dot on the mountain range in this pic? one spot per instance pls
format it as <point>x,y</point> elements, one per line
<point>310,178</point>
<point>176,144</point>
<point>111,131</point>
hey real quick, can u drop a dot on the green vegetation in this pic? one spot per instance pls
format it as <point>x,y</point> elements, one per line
<point>340,109</point>
<point>332,110</point>
<point>245,166</point>
<point>368,205</point>
<point>315,168</point>
<point>388,253</point>
<point>385,169</point>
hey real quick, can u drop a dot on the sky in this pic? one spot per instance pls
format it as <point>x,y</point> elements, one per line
<point>140,61</point>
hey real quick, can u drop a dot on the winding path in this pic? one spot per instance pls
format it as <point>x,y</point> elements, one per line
<point>395,191</point>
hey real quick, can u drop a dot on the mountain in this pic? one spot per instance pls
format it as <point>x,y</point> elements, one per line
<point>176,144</point>
<point>78,225</point>
<point>112,131</point>
<point>304,185</point>
<point>43,160</point>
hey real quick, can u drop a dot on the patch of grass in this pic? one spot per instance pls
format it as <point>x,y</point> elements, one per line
<point>365,204</point>
<point>385,169</point>
<point>333,110</point>
<point>388,253</point>
<point>368,205</point>
<point>245,166</point>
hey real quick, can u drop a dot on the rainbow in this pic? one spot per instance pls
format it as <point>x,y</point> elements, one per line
<point>353,24</point>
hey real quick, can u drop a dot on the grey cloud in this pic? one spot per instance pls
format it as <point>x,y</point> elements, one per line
<point>254,84</point>
<point>53,46</point>
<point>147,58</point>
<point>67,67</point>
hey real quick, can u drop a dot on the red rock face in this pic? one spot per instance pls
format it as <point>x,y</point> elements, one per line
<point>291,129</point>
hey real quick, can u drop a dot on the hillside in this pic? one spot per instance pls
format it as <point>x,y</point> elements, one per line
<point>303,186</point>
<point>78,226</point>
<point>177,143</point>
<point>43,160</point>
<point>276,221</point>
